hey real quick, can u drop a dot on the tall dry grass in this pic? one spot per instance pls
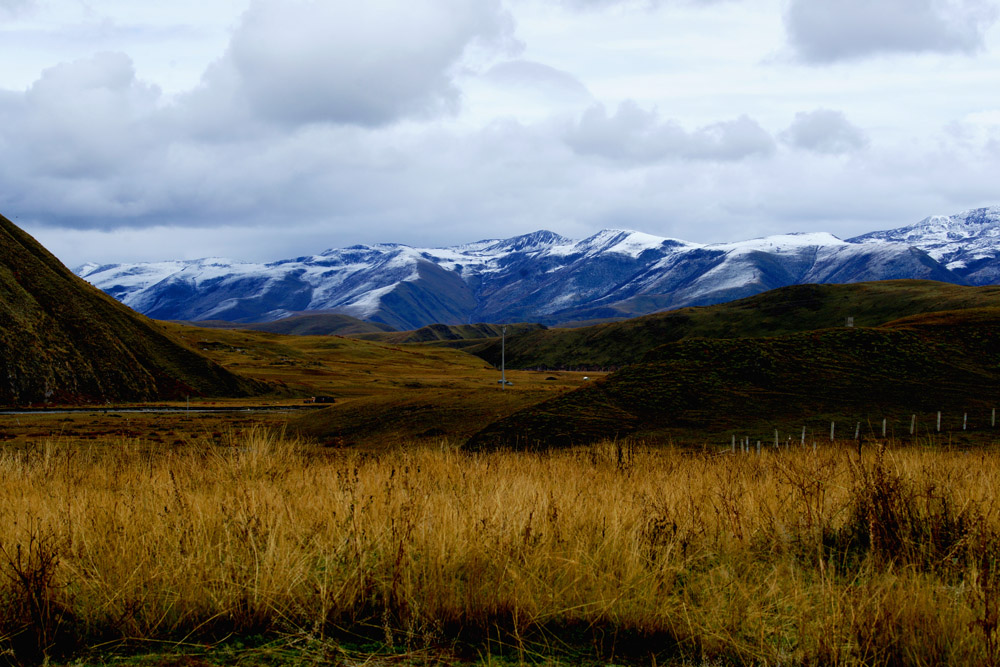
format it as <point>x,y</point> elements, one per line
<point>610,552</point>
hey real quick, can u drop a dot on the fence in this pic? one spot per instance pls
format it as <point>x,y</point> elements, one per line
<point>913,426</point>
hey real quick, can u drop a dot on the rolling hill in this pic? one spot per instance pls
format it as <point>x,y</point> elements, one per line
<point>305,324</point>
<point>464,336</point>
<point>781,311</point>
<point>919,364</point>
<point>64,341</point>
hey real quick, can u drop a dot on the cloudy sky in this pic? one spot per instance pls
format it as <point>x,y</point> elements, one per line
<point>265,129</point>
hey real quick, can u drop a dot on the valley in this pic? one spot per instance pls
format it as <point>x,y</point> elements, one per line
<point>378,497</point>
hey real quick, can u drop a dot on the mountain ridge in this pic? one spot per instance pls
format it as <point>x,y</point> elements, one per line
<point>545,277</point>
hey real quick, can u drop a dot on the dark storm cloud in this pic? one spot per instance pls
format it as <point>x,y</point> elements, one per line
<point>634,135</point>
<point>823,31</point>
<point>824,131</point>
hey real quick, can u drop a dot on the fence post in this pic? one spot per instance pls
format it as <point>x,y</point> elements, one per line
<point>775,438</point>
<point>965,420</point>
<point>734,443</point>
<point>803,436</point>
<point>913,423</point>
<point>857,431</point>
<point>883,427</point>
<point>832,427</point>
<point>939,422</point>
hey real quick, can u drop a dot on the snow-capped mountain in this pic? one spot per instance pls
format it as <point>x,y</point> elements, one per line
<point>967,243</point>
<point>546,277</point>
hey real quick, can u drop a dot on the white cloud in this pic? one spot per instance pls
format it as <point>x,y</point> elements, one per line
<point>457,135</point>
<point>823,31</point>
<point>537,77</point>
<point>824,131</point>
<point>367,63</point>
<point>11,8</point>
<point>632,4</point>
<point>79,143</point>
<point>635,135</point>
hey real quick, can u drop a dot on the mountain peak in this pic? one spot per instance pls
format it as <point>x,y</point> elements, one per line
<point>543,238</point>
<point>543,276</point>
<point>989,215</point>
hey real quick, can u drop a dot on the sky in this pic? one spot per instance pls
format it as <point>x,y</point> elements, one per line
<point>268,129</point>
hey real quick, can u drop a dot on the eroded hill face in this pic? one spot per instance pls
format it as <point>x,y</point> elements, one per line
<point>63,341</point>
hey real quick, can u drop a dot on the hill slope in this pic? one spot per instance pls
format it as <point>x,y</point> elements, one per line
<point>781,311</point>
<point>469,337</point>
<point>305,324</point>
<point>62,340</point>
<point>941,361</point>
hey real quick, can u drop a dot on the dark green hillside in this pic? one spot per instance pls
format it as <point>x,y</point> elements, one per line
<point>943,361</point>
<point>781,311</point>
<point>305,324</point>
<point>63,341</point>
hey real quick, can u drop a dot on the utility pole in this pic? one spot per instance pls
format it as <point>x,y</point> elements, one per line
<point>503,357</point>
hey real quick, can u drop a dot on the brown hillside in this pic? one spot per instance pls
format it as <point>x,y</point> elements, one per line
<point>64,341</point>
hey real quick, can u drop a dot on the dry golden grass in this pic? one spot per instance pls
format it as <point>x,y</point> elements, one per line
<point>351,368</point>
<point>614,552</point>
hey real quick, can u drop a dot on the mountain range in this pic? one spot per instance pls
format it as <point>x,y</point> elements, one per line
<point>544,277</point>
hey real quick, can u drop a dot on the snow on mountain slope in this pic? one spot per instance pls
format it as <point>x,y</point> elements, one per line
<point>546,277</point>
<point>967,243</point>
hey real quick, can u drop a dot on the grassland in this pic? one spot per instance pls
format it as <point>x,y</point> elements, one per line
<point>385,394</point>
<point>948,361</point>
<point>362,534</point>
<point>263,549</point>
<point>788,310</point>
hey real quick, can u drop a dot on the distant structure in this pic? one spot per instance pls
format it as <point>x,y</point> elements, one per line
<point>850,321</point>
<point>503,357</point>
<point>320,399</point>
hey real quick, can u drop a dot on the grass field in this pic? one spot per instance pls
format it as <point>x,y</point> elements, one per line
<point>384,392</point>
<point>264,550</point>
<point>362,534</point>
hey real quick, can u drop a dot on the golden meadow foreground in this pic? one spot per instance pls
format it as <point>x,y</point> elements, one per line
<point>610,553</point>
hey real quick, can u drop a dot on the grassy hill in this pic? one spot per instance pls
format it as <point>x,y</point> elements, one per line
<point>946,361</point>
<point>781,311</point>
<point>469,337</point>
<point>459,336</point>
<point>305,324</point>
<point>338,366</point>
<point>385,393</point>
<point>64,341</point>
<point>416,413</point>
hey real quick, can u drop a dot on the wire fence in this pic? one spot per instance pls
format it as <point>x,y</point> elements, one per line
<point>914,427</point>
